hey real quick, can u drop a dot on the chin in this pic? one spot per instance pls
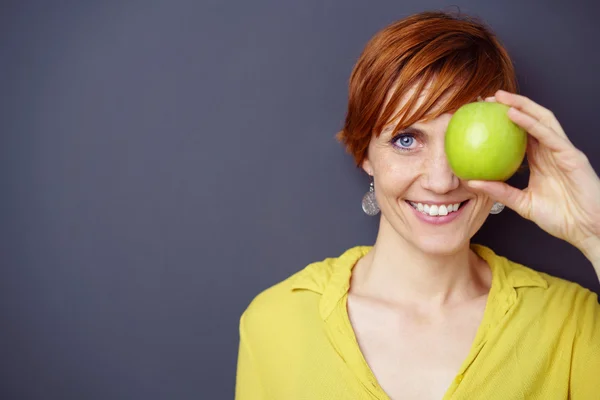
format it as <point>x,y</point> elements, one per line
<point>439,245</point>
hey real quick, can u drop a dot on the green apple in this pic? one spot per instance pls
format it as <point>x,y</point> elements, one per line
<point>483,143</point>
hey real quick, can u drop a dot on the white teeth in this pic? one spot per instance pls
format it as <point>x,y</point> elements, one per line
<point>435,210</point>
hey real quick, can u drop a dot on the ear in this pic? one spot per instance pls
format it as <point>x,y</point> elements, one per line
<point>367,167</point>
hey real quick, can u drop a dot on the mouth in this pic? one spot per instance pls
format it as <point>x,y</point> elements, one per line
<point>437,210</point>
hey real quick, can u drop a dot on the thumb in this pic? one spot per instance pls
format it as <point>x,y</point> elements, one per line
<point>510,196</point>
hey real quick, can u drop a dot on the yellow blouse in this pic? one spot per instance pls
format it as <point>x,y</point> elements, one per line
<point>539,339</point>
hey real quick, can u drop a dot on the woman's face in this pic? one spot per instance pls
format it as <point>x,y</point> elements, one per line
<point>417,192</point>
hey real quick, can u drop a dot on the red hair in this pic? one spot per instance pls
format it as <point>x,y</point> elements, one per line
<point>458,56</point>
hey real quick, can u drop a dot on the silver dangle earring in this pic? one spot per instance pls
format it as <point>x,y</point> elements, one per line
<point>497,208</point>
<point>369,202</point>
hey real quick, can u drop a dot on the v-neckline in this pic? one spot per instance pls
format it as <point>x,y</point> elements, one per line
<point>496,306</point>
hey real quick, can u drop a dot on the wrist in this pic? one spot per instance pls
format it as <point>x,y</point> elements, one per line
<point>591,250</point>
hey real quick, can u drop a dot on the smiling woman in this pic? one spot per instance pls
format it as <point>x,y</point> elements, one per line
<point>424,313</point>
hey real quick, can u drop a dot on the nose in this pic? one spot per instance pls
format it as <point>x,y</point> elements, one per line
<point>438,177</point>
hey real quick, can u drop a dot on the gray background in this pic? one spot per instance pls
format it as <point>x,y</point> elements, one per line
<point>163,162</point>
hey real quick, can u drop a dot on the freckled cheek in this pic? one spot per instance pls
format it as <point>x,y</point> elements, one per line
<point>395,178</point>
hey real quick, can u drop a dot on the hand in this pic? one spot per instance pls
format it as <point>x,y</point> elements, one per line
<point>563,195</point>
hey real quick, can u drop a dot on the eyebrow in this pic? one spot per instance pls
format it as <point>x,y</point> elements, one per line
<point>409,129</point>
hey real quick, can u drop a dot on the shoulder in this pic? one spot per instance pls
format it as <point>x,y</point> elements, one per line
<point>281,296</point>
<point>547,295</point>
<point>313,278</point>
<point>297,296</point>
<point>568,292</point>
<point>569,302</point>
<point>293,304</point>
<point>559,294</point>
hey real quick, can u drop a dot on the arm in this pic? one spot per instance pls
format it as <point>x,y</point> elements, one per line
<point>247,385</point>
<point>585,358</point>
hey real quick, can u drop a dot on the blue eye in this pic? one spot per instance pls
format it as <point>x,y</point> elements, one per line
<point>404,141</point>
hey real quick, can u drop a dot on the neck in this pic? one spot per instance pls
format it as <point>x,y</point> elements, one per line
<point>399,272</point>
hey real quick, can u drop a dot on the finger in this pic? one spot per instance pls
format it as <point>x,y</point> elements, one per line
<point>510,196</point>
<point>541,132</point>
<point>490,99</point>
<point>528,106</point>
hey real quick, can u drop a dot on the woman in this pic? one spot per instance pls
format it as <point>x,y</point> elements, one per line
<point>425,314</point>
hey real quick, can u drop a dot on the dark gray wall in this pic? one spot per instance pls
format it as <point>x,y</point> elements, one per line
<point>162,162</point>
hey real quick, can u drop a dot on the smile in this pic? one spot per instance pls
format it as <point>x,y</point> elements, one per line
<point>434,210</point>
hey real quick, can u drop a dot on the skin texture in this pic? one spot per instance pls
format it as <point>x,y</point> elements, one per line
<point>416,300</point>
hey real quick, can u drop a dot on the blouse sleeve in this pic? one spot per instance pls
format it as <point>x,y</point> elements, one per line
<point>585,368</point>
<point>248,385</point>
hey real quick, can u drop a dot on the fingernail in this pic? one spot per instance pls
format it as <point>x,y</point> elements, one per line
<point>493,98</point>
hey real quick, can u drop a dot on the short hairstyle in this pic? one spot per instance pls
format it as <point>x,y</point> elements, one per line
<point>457,55</point>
